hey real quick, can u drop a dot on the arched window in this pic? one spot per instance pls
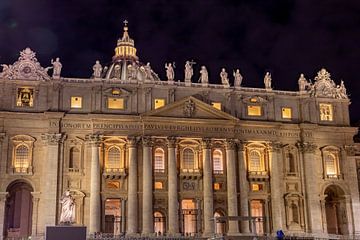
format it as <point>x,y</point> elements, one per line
<point>159,223</point>
<point>291,163</point>
<point>218,166</point>
<point>159,161</point>
<point>330,164</point>
<point>114,158</point>
<point>188,159</point>
<point>22,158</point>
<point>255,161</point>
<point>74,159</point>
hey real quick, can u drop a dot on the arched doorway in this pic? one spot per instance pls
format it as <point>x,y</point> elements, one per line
<point>220,224</point>
<point>159,223</point>
<point>335,210</point>
<point>18,210</point>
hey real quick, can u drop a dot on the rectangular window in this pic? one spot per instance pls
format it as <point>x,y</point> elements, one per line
<point>216,105</point>
<point>326,112</point>
<point>116,103</point>
<point>255,187</point>
<point>217,186</point>
<point>286,113</point>
<point>158,103</point>
<point>158,185</point>
<point>76,102</point>
<point>254,110</point>
<point>25,97</point>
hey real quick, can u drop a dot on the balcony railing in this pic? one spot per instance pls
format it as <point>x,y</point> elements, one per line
<point>190,173</point>
<point>334,176</point>
<point>258,174</point>
<point>22,170</point>
<point>114,173</point>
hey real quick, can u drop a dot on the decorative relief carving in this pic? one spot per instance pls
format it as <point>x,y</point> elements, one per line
<point>53,138</point>
<point>189,185</point>
<point>350,150</point>
<point>189,108</point>
<point>27,67</point>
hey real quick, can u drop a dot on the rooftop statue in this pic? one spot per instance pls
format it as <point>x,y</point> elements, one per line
<point>189,72</point>
<point>97,68</point>
<point>303,83</point>
<point>133,69</point>
<point>56,68</point>
<point>204,76</point>
<point>267,80</point>
<point>237,78</point>
<point>146,69</point>
<point>169,71</point>
<point>67,209</point>
<point>224,78</point>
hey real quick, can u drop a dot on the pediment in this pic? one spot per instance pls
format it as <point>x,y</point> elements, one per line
<point>192,108</point>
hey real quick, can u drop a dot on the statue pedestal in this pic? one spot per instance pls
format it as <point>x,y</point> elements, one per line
<point>65,232</point>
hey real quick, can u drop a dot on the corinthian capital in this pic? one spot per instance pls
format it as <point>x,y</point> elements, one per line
<point>275,146</point>
<point>132,141</point>
<point>147,141</point>
<point>230,144</point>
<point>206,143</point>
<point>306,147</point>
<point>94,139</point>
<point>350,150</point>
<point>53,138</point>
<point>2,137</point>
<point>171,142</point>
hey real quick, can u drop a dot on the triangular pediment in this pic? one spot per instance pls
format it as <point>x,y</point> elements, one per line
<point>192,108</point>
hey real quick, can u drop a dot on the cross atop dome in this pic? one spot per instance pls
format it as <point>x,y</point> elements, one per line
<point>125,48</point>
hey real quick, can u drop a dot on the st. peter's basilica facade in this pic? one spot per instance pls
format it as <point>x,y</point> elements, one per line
<point>144,156</point>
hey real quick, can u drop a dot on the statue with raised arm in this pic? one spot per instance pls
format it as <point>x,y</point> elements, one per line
<point>237,78</point>
<point>342,90</point>
<point>169,71</point>
<point>204,76</point>
<point>189,72</point>
<point>267,80</point>
<point>56,67</point>
<point>97,68</point>
<point>147,72</point>
<point>67,209</point>
<point>224,78</point>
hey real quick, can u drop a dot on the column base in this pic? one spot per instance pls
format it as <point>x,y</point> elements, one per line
<point>132,235</point>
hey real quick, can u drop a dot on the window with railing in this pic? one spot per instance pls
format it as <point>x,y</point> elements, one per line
<point>22,159</point>
<point>113,160</point>
<point>218,166</point>
<point>159,161</point>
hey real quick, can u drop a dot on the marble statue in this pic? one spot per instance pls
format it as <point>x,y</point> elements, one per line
<point>267,80</point>
<point>169,72</point>
<point>97,68</point>
<point>204,76</point>
<point>68,208</point>
<point>189,72</point>
<point>224,78</point>
<point>237,78</point>
<point>341,91</point>
<point>133,70</point>
<point>56,67</point>
<point>303,83</point>
<point>117,71</point>
<point>147,71</point>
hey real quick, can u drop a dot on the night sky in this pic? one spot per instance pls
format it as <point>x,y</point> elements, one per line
<point>284,37</point>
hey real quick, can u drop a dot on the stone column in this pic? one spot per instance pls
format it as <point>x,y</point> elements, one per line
<point>350,176</point>
<point>173,202</point>
<point>231,187</point>
<point>311,188</point>
<point>95,141</point>
<point>198,215</point>
<point>132,213</point>
<point>2,152</point>
<point>35,213</point>
<point>3,197</point>
<point>49,181</point>
<point>208,188</point>
<point>244,188</point>
<point>276,180</point>
<point>147,203</point>
<point>123,222</point>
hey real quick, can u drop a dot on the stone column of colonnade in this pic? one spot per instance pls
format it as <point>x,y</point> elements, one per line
<point>3,197</point>
<point>244,188</point>
<point>311,187</point>
<point>132,213</point>
<point>49,198</point>
<point>276,178</point>
<point>95,142</point>
<point>231,186</point>
<point>147,203</point>
<point>208,188</point>
<point>173,202</point>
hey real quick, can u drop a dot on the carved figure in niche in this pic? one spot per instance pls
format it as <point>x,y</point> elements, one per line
<point>170,71</point>
<point>67,209</point>
<point>224,78</point>
<point>237,78</point>
<point>133,70</point>
<point>56,67</point>
<point>267,80</point>
<point>97,69</point>
<point>189,72</point>
<point>204,76</point>
<point>117,71</point>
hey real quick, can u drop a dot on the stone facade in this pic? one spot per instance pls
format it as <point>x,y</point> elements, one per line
<point>145,157</point>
